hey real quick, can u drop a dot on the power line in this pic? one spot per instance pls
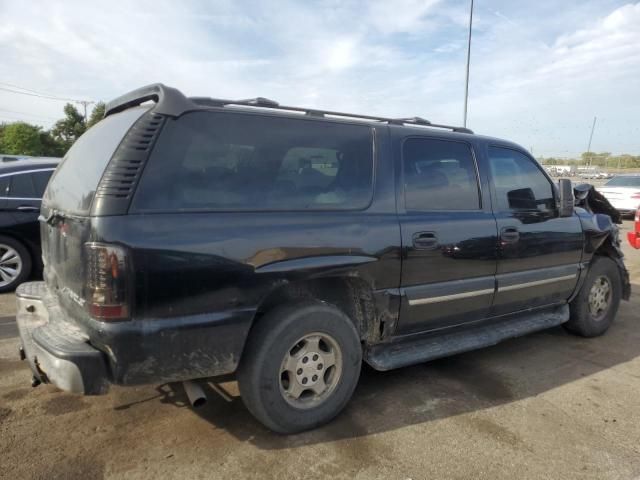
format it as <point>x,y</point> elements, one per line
<point>27,114</point>
<point>32,93</point>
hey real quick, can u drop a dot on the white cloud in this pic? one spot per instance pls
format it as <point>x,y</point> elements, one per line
<point>539,72</point>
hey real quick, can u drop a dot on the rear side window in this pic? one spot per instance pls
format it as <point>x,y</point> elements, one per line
<point>29,185</point>
<point>74,184</point>
<point>439,175</point>
<point>234,161</point>
<point>519,182</point>
<point>40,180</point>
<point>22,186</point>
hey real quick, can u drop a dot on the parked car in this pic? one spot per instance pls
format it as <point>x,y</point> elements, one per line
<point>22,183</point>
<point>634,235</point>
<point>623,192</point>
<point>198,237</point>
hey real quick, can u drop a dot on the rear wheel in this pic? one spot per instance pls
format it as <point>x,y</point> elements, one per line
<point>15,264</point>
<point>300,366</point>
<point>595,307</point>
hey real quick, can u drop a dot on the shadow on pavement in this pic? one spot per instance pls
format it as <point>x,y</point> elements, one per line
<point>384,401</point>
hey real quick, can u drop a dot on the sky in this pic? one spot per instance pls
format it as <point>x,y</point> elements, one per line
<point>540,71</point>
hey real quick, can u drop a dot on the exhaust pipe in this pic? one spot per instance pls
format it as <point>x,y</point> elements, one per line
<point>194,392</point>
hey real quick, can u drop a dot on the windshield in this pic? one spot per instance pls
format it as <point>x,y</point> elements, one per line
<point>623,181</point>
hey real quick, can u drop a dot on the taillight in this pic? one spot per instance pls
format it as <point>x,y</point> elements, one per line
<point>635,195</point>
<point>106,282</point>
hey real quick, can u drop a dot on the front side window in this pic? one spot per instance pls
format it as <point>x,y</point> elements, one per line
<point>519,182</point>
<point>439,175</point>
<point>233,161</point>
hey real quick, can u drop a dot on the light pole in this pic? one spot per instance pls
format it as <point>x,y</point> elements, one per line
<point>593,127</point>
<point>466,83</point>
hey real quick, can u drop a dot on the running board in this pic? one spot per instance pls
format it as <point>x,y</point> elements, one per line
<point>423,348</point>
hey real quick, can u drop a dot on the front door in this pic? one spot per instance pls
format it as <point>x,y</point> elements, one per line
<point>448,236</point>
<point>539,252</point>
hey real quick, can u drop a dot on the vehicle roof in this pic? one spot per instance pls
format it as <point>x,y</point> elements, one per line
<point>170,101</point>
<point>28,163</point>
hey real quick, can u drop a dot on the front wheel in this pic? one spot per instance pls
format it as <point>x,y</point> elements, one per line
<point>300,366</point>
<point>595,307</point>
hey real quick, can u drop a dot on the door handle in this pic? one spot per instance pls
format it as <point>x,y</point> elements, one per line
<point>28,208</point>
<point>425,241</point>
<point>509,234</point>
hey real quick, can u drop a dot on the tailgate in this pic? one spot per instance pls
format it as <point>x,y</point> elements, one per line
<point>63,240</point>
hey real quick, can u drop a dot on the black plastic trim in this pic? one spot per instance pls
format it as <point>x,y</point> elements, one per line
<point>123,172</point>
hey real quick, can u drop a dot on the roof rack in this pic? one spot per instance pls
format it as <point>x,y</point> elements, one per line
<point>170,101</point>
<point>262,102</point>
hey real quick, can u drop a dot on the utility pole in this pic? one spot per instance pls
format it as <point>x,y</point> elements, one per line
<point>84,103</point>
<point>466,83</point>
<point>593,127</point>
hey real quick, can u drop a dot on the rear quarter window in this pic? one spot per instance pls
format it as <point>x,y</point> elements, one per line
<point>236,161</point>
<point>74,183</point>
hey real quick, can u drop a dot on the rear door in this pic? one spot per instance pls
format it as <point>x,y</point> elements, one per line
<point>448,235</point>
<point>539,252</point>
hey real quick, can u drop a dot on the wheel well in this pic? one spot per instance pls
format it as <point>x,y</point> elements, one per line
<point>29,247</point>
<point>353,296</point>
<point>608,249</point>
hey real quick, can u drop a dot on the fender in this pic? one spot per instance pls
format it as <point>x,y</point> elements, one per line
<point>601,235</point>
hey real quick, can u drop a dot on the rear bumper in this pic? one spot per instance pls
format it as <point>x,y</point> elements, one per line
<point>57,352</point>
<point>88,356</point>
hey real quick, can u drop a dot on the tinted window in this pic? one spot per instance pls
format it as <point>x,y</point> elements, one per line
<point>22,186</point>
<point>4,186</point>
<point>519,182</point>
<point>622,181</point>
<point>439,175</point>
<point>233,161</point>
<point>40,180</point>
<point>75,181</point>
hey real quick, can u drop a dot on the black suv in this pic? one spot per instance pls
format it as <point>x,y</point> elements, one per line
<point>22,183</point>
<point>196,237</point>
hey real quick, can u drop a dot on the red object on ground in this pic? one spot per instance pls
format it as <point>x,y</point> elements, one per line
<point>634,236</point>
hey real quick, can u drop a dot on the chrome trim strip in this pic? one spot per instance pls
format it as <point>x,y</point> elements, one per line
<point>20,198</point>
<point>536,283</point>
<point>10,174</point>
<point>453,296</point>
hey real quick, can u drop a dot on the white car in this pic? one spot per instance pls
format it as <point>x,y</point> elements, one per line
<point>623,192</point>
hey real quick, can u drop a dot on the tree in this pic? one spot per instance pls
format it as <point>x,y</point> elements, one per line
<point>97,114</point>
<point>51,147</point>
<point>69,129</point>
<point>20,138</point>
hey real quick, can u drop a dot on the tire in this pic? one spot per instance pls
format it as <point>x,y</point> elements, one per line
<point>589,315</point>
<point>282,339</point>
<point>20,262</point>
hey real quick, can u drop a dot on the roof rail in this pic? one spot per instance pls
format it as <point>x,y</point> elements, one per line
<point>262,102</point>
<point>169,101</point>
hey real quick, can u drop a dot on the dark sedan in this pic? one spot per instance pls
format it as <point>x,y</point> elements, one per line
<point>22,183</point>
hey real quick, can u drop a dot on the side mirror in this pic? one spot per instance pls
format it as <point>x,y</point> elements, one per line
<point>566,197</point>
